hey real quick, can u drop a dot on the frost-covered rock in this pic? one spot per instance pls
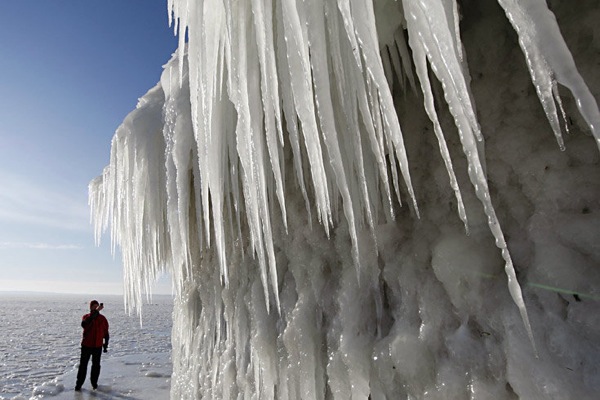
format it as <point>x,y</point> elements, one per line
<point>264,174</point>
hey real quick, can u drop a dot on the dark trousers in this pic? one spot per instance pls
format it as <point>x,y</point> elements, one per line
<point>86,353</point>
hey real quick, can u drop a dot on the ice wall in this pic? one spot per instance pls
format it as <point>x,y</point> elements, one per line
<point>265,173</point>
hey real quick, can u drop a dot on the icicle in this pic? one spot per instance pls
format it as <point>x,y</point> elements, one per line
<point>436,40</point>
<point>269,88</point>
<point>362,37</point>
<point>548,58</point>
<point>325,113</point>
<point>456,20</point>
<point>421,67</point>
<point>405,57</point>
<point>298,59</point>
<point>288,109</point>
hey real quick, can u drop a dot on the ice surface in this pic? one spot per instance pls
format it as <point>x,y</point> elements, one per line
<point>263,173</point>
<point>139,376</point>
<point>39,352</point>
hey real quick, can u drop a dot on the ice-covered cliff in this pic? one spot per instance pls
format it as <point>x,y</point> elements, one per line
<point>360,200</point>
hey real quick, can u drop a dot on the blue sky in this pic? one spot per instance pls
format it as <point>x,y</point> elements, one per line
<point>70,71</point>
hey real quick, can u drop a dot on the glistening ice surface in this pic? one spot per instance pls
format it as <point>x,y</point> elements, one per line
<point>266,172</point>
<point>41,338</point>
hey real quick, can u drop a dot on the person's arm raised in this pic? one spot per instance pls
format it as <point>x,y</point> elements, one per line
<point>92,316</point>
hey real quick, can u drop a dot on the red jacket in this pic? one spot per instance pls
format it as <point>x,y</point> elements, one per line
<point>95,328</point>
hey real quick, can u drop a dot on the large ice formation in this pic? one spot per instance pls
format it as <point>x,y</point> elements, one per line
<point>266,174</point>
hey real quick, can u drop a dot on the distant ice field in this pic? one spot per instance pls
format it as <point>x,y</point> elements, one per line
<point>40,336</point>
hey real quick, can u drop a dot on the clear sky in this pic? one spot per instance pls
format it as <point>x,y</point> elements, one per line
<point>70,71</point>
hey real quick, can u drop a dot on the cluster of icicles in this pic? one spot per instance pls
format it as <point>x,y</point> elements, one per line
<point>266,74</point>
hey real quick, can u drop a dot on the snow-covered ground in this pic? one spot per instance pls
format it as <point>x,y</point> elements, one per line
<point>134,377</point>
<point>39,348</point>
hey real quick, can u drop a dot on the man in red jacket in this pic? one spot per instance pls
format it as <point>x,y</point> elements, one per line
<point>95,337</point>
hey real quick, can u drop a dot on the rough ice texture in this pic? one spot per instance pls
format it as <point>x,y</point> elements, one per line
<point>264,174</point>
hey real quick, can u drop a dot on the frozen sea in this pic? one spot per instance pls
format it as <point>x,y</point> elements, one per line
<point>40,335</point>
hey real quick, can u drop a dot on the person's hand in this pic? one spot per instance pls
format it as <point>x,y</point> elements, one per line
<point>105,348</point>
<point>100,307</point>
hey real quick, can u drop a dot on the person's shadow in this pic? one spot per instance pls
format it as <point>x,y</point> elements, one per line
<point>102,393</point>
